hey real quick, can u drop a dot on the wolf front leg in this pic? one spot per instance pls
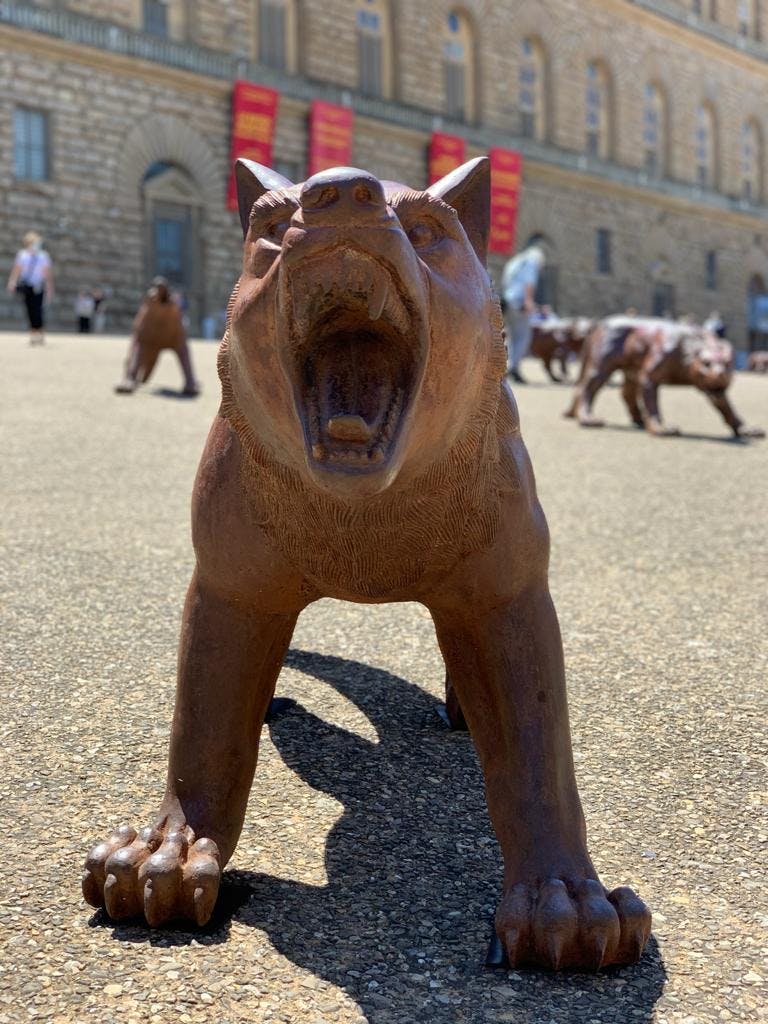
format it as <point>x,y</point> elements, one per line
<point>506,664</point>
<point>720,401</point>
<point>229,660</point>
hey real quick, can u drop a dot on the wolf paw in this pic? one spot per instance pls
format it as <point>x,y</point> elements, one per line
<point>560,923</point>
<point>745,431</point>
<point>664,431</point>
<point>162,875</point>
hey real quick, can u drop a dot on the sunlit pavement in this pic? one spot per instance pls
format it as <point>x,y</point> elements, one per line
<point>367,873</point>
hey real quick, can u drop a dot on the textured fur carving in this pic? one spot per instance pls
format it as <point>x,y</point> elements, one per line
<point>368,448</point>
<point>452,510</point>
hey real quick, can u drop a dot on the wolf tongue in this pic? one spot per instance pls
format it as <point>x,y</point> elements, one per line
<point>349,428</point>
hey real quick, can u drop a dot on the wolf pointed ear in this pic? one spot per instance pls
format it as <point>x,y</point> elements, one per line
<point>252,181</point>
<point>468,191</point>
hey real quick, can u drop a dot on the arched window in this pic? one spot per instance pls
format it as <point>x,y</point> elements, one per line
<point>598,111</point>
<point>706,147</point>
<point>277,34</point>
<point>531,97</point>
<point>655,130</point>
<point>751,162</point>
<point>374,48</point>
<point>459,67</point>
<point>748,19</point>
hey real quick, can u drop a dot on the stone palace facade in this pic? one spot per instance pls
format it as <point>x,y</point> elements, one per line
<point>642,125</point>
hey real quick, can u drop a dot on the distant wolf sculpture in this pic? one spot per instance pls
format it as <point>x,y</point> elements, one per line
<point>651,352</point>
<point>158,325</point>
<point>558,340</point>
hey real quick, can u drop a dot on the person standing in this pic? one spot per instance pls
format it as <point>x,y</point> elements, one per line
<point>32,277</point>
<point>518,289</point>
<point>84,310</point>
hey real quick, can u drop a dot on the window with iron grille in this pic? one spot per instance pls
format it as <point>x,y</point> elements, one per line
<point>653,130</point>
<point>459,67</point>
<point>747,18</point>
<point>750,161</point>
<point>272,34</point>
<point>604,263</point>
<point>710,270</point>
<point>530,89</point>
<point>705,147</point>
<point>370,58</point>
<point>455,90</point>
<point>596,112</point>
<point>156,18</point>
<point>31,159</point>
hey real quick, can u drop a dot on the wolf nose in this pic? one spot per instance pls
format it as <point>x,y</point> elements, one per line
<point>343,191</point>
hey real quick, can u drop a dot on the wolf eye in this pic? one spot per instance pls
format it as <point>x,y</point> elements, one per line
<point>424,234</point>
<point>275,230</point>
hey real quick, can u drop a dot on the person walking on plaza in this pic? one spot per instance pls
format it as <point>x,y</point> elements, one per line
<point>518,290</point>
<point>85,307</point>
<point>32,278</point>
<point>158,325</point>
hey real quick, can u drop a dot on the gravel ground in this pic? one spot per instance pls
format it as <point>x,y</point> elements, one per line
<point>367,872</point>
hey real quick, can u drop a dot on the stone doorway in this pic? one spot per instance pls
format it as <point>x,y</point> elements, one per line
<point>172,237</point>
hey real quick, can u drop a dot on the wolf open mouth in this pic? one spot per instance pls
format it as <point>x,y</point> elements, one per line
<point>357,353</point>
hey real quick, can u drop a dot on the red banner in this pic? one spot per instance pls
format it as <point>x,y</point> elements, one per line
<point>254,112</point>
<point>330,136</point>
<point>506,178</point>
<point>446,153</point>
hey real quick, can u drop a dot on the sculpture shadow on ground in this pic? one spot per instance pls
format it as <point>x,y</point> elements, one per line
<point>630,428</point>
<point>414,874</point>
<point>170,393</point>
<point>413,870</point>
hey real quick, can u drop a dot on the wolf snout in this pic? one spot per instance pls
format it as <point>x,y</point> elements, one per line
<point>343,194</point>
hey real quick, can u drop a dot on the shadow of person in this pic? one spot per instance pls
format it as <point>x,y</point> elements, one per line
<point>413,870</point>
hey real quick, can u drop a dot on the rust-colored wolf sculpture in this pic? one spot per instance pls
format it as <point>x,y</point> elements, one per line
<point>559,339</point>
<point>651,352</point>
<point>157,326</point>
<point>367,448</point>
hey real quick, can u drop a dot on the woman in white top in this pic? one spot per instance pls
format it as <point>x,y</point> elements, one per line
<point>32,278</point>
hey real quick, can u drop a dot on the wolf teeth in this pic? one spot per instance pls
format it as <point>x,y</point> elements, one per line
<point>349,428</point>
<point>377,299</point>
